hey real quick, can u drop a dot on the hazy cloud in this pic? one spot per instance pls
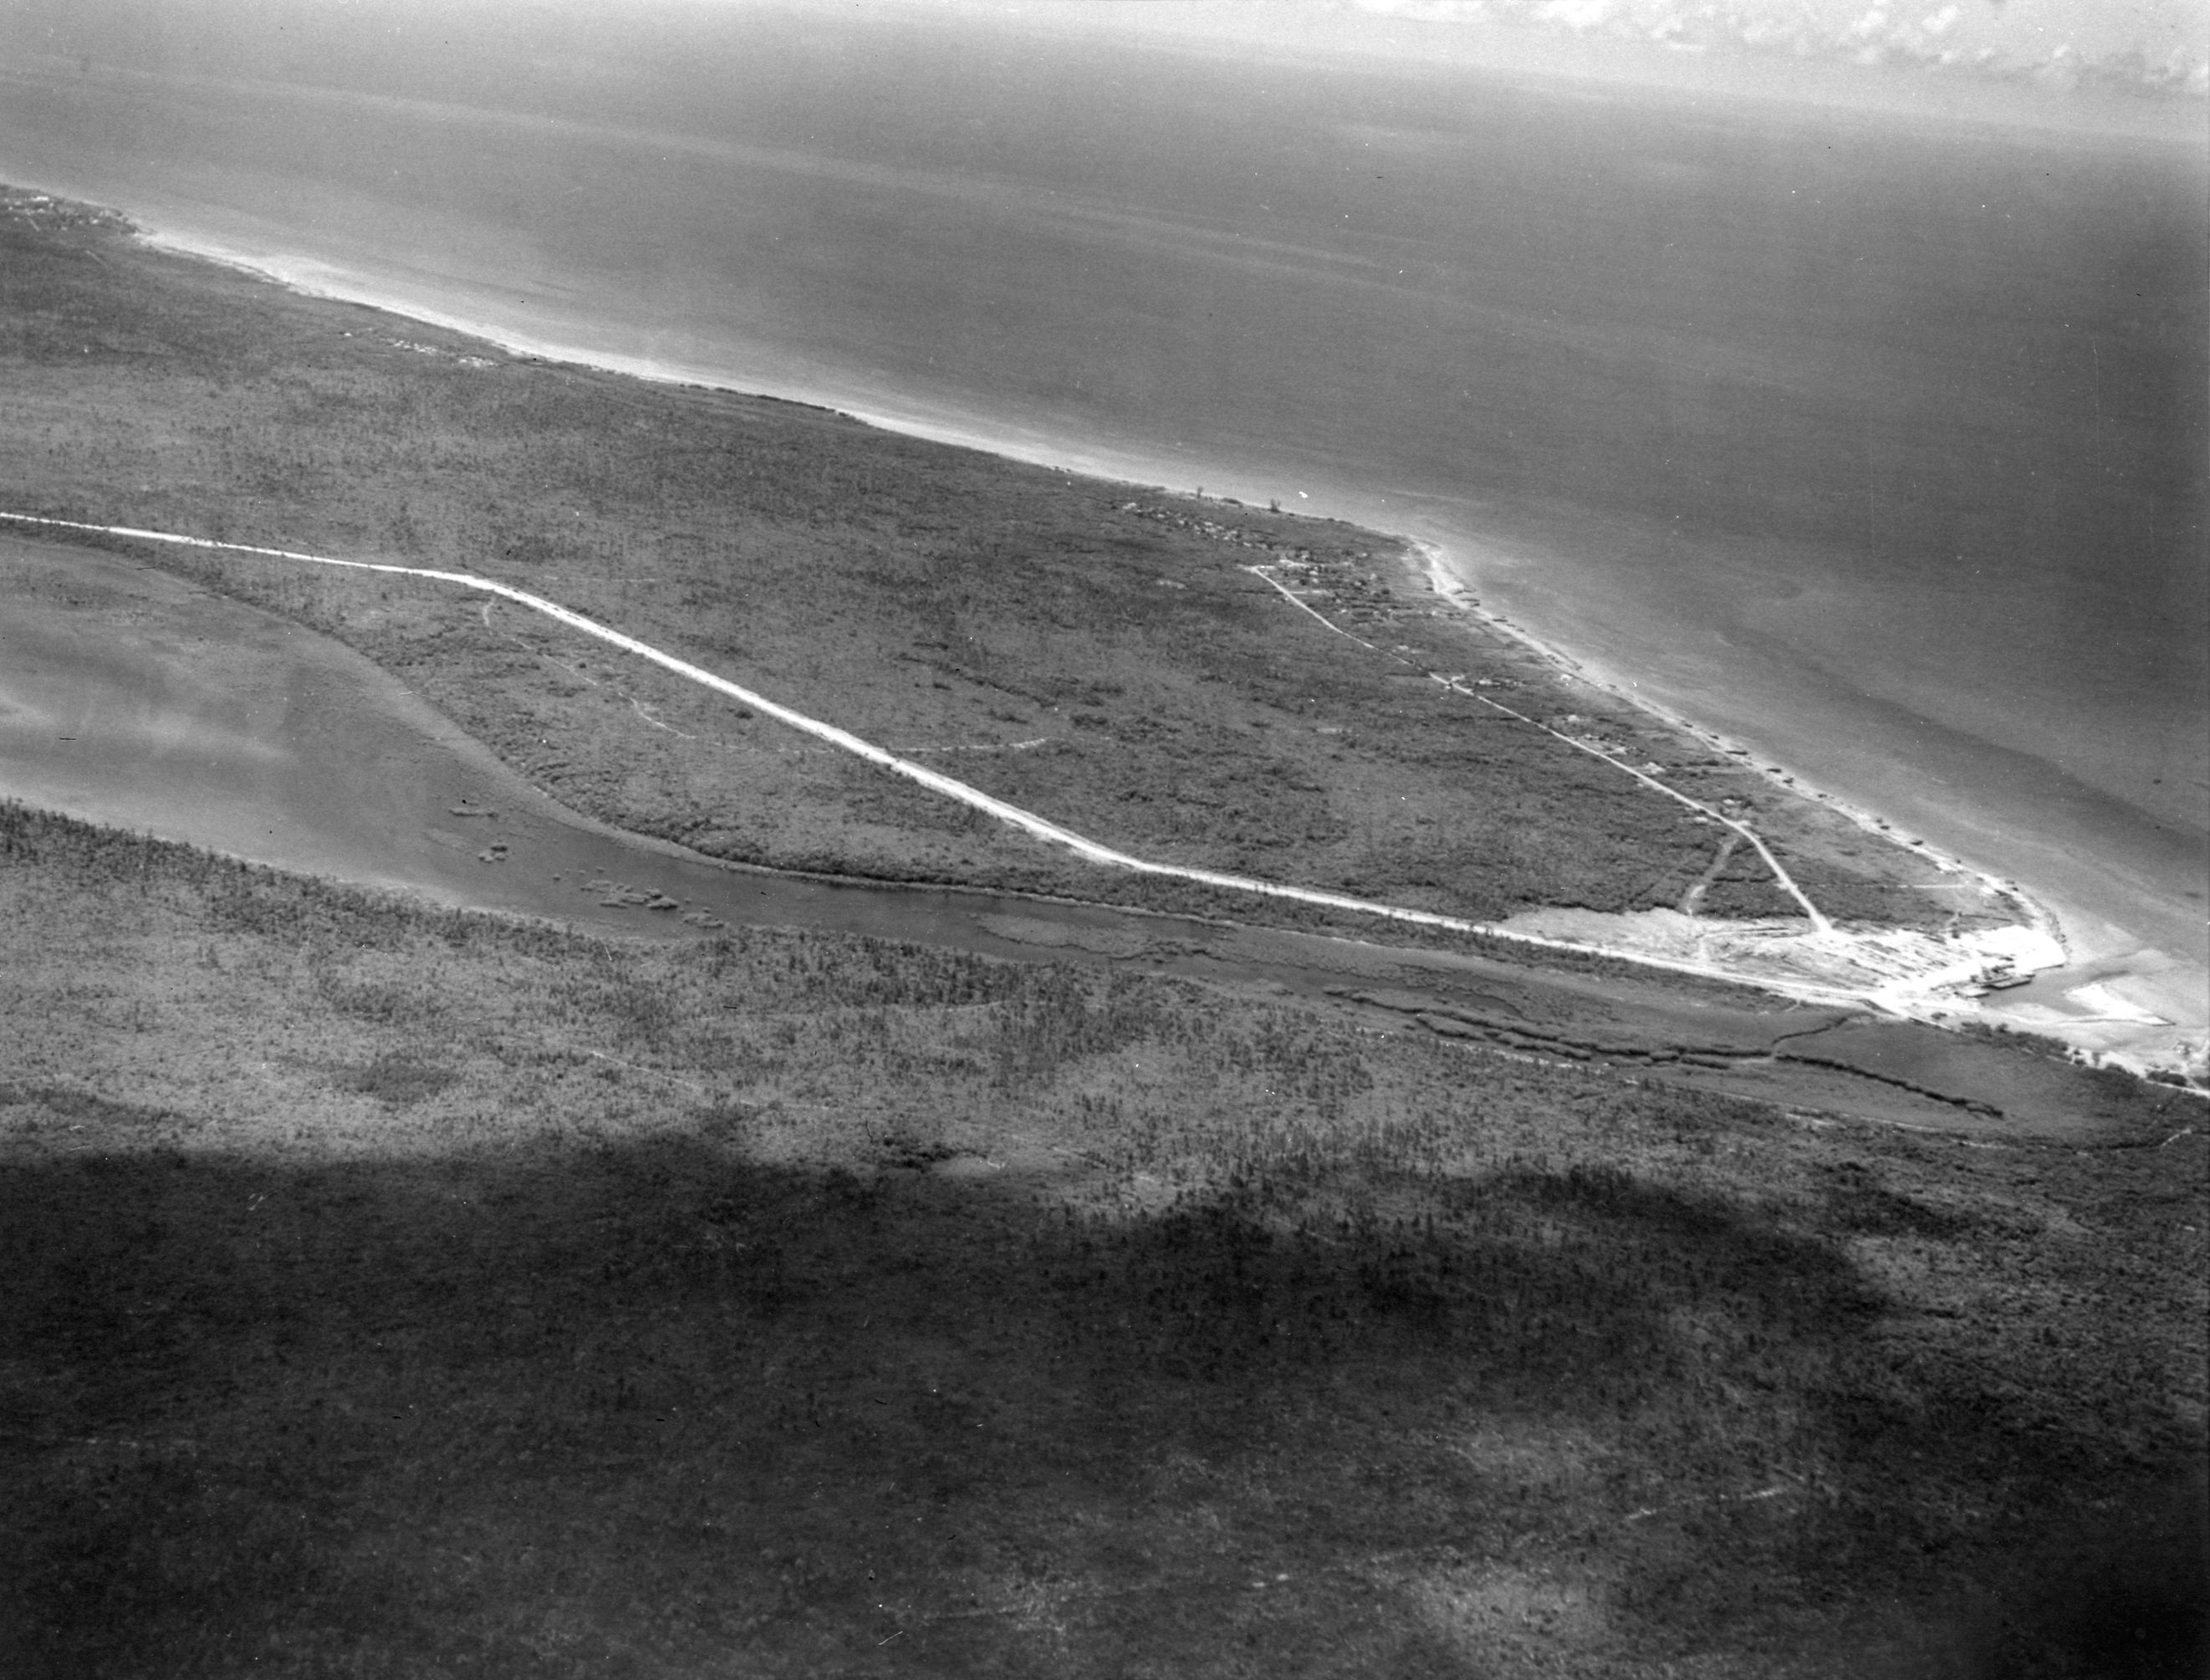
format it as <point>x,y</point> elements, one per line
<point>2156,46</point>
<point>1574,14</point>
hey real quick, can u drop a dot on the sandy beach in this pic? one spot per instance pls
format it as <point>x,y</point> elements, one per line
<point>2104,989</point>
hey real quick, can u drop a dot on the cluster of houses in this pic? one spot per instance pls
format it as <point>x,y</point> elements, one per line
<point>44,210</point>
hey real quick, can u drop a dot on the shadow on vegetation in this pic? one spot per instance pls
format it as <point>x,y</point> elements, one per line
<point>2123,1594</point>
<point>643,1409</point>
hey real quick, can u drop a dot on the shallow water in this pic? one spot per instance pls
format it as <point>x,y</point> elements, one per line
<point>1873,443</point>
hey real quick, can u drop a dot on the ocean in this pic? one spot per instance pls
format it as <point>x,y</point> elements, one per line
<point>1873,440</point>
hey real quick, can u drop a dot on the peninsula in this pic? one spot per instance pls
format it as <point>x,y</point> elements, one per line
<point>652,1028</point>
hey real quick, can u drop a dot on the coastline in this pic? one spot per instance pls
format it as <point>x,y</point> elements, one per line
<point>1451,585</point>
<point>470,1145</point>
<point>2072,998</point>
<point>2082,956</point>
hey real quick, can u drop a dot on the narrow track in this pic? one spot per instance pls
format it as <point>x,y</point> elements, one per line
<point>1787,882</point>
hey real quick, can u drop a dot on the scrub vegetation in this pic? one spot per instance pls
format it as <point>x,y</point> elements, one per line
<point>1092,651</point>
<point>394,1290</point>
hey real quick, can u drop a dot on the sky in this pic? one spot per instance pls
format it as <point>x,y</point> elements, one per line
<point>2156,43</point>
<point>1887,49</point>
<point>2056,47</point>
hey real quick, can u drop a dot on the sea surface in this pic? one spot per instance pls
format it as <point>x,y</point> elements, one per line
<point>1874,441</point>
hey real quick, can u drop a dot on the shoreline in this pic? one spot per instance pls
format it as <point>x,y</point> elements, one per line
<point>2072,944</point>
<point>2091,952</point>
<point>1453,587</point>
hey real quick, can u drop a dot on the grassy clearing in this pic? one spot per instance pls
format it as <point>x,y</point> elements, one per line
<point>1092,652</point>
<point>399,1291</point>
